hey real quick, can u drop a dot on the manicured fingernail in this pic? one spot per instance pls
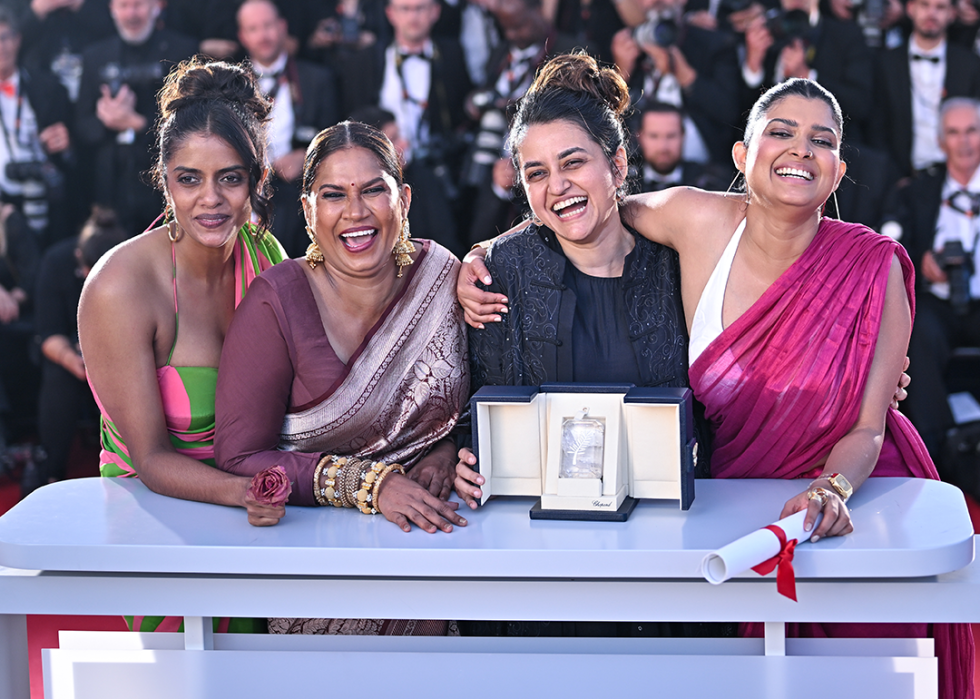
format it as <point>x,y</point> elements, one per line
<point>814,538</point>
<point>503,309</point>
<point>462,521</point>
<point>480,326</point>
<point>808,526</point>
<point>496,319</point>
<point>487,279</point>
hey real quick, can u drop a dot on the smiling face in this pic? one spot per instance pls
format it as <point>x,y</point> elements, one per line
<point>793,157</point>
<point>569,181</point>
<point>356,209</point>
<point>207,186</point>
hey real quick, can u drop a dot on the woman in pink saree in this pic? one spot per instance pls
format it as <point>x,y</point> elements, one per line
<point>798,327</point>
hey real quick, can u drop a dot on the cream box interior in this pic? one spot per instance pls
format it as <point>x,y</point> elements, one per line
<point>649,450</point>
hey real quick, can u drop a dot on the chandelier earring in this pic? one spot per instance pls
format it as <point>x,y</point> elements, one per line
<point>403,248</point>
<point>314,255</point>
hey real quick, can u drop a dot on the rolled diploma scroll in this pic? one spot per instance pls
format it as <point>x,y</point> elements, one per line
<point>752,549</point>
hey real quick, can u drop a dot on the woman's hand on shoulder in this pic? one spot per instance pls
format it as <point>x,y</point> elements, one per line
<point>468,480</point>
<point>836,517</point>
<point>479,306</point>
<point>404,502</point>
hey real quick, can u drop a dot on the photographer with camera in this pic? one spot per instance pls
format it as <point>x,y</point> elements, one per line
<point>34,139</point>
<point>304,102</point>
<point>797,41</point>
<point>938,221</point>
<point>488,169</point>
<point>116,107</point>
<point>665,59</point>
<point>424,84</point>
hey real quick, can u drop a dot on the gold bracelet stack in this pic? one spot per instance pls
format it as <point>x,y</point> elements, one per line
<point>350,481</point>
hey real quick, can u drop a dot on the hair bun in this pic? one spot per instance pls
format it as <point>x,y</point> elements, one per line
<point>579,72</point>
<point>201,80</point>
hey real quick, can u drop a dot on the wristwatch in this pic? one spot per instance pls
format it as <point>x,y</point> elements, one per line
<point>839,483</point>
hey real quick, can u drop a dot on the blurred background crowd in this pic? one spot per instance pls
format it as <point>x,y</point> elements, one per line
<point>77,109</point>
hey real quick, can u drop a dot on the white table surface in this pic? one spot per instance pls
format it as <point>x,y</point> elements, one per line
<point>903,528</point>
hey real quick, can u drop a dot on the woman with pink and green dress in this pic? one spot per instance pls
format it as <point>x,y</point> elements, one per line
<point>154,312</point>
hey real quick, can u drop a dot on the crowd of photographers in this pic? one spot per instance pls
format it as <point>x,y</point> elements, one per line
<point>78,78</point>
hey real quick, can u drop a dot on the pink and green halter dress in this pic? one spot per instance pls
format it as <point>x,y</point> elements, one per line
<point>187,394</point>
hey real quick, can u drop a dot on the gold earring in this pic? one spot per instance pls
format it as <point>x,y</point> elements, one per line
<point>314,255</point>
<point>173,231</point>
<point>403,248</point>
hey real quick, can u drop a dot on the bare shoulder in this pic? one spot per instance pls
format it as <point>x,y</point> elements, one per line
<point>127,279</point>
<point>676,215</point>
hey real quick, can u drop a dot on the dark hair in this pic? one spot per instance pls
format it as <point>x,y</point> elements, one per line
<point>372,115</point>
<point>661,108</point>
<point>794,87</point>
<point>9,17</point>
<point>100,233</point>
<point>223,99</point>
<point>350,134</point>
<point>573,88</point>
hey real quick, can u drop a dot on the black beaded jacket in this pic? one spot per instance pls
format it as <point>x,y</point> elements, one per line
<point>532,343</point>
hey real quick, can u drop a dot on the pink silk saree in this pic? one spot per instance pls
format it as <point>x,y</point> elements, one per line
<point>784,382</point>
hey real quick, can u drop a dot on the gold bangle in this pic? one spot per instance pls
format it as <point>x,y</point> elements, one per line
<point>350,480</point>
<point>317,488</point>
<point>390,468</point>
<point>365,497</point>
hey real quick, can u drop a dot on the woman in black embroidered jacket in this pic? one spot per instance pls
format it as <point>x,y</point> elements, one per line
<point>589,299</point>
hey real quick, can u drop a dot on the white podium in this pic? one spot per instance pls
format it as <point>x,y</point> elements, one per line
<point>110,546</point>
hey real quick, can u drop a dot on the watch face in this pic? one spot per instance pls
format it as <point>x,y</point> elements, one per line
<point>842,485</point>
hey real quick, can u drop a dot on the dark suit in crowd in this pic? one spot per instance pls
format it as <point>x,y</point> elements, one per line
<point>117,168</point>
<point>892,117</point>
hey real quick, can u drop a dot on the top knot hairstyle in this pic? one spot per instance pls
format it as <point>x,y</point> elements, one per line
<point>221,99</point>
<point>572,87</point>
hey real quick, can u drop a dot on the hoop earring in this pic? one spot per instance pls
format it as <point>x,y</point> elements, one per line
<point>173,231</point>
<point>403,248</point>
<point>535,220</point>
<point>314,255</point>
<point>836,205</point>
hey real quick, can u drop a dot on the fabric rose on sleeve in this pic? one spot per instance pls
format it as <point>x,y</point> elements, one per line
<point>270,487</point>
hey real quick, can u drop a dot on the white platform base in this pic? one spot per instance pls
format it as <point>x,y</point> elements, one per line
<point>106,665</point>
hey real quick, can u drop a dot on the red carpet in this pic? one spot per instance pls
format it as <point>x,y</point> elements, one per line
<point>42,631</point>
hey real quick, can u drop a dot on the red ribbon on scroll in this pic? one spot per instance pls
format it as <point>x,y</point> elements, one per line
<point>785,575</point>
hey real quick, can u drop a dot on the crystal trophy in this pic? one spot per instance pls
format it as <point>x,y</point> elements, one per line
<point>581,446</point>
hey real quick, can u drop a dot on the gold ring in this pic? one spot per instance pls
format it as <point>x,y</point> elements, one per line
<point>821,494</point>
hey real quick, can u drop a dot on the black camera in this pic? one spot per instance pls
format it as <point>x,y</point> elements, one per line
<point>39,182</point>
<point>437,155</point>
<point>486,148</point>
<point>787,25</point>
<point>958,266</point>
<point>115,75</point>
<point>663,31</point>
